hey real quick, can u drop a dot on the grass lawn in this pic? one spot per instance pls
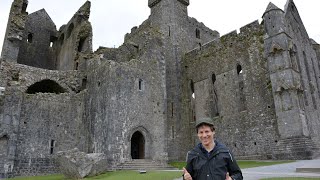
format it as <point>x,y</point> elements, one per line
<point>243,164</point>
<point>117,175</point>
<point>49,177</point>
<point>163,175</point>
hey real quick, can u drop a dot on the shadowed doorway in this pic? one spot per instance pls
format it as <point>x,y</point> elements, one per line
<point>137,146</point>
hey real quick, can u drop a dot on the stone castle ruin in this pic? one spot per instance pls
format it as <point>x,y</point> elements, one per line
<point>261,87</point>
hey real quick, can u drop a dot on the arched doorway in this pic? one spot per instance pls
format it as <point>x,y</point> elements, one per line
<point>137,146</point>
<point>4,146</point>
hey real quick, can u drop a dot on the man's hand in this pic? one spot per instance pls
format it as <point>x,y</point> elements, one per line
<point>186,175</point>
<point>228,177</point>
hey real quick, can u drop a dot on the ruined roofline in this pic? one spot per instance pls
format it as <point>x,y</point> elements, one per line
<point>202,26</point>
<point>43,11</point>
<point>313,42</point>
<point>83,12</point>
<point>271,7</point>
<point>290,8</point>
<point>229,36</point>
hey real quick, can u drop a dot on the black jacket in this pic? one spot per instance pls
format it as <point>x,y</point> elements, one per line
<point>214,167</point>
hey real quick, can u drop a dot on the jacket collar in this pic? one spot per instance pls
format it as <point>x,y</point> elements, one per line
<point>219,148</point>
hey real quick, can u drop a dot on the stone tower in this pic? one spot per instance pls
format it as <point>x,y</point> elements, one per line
<point>14,32</point>
<point>181,34</point>
<point>171,17</point>
<point>292,74</point>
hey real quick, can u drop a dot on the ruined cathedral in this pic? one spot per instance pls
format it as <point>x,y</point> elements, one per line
<point>260,86</point>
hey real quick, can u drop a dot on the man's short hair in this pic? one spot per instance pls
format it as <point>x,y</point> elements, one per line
<point>205,121</point>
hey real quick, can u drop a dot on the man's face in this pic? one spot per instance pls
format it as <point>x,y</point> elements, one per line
<point>205,135</point>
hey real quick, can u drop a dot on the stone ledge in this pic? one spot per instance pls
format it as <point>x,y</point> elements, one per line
<point>308,170</point>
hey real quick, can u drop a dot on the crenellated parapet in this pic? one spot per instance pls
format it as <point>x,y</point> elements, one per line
<point>202,27</point>
<point>152,3</point>
<point>248,31</point>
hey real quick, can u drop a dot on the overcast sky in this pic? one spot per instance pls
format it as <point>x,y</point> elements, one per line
<point>112,19</point>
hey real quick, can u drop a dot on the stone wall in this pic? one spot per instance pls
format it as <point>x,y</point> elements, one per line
<point>231,84</point>
<point>36,48</point>
<point>38,125</point>
<point>142,99</point>
<point>125,98</point>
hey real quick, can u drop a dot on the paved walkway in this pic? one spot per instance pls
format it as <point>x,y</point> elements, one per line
<point>281,170</point>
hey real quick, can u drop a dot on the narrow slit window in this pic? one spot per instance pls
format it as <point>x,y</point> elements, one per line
<point>172,131</point>
<point>239,69</point>
<point>52,144</point>
<point>197,33</point>
<point>141,85</point>
<point>192,89</point>
<point>77,66</point>
<point>171,109</point>
<point>30,37</point>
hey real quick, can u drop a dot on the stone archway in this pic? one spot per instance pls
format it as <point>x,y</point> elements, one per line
<point>45,86</point>
<point>137,146</point>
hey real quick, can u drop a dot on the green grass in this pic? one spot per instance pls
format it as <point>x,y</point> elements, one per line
<point>49,177</point>
<point>117,175</point>
<point>134,175</point>
<point>290,178</point>
<point>178,164</point>
<point>243,164</point>
<point>161,175</point>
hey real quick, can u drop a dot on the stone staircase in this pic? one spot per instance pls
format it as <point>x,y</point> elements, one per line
<point>144,164</point>
<point>295,148</point>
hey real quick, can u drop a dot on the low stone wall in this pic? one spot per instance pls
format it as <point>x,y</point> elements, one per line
<point>34,166</point>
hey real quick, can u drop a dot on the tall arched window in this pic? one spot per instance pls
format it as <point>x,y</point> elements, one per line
<point>242,99</point>
<point>4,146</point>
<point>214,97</point>
<point>311,87</point>
<point>192,89</point>
<point>30,38</point>
<point>61,39</point>
<point>70,29</point>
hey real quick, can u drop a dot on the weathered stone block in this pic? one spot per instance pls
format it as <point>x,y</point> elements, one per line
<point>77,165</point>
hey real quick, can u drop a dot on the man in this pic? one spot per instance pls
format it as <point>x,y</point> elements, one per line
<point>210,160</point>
